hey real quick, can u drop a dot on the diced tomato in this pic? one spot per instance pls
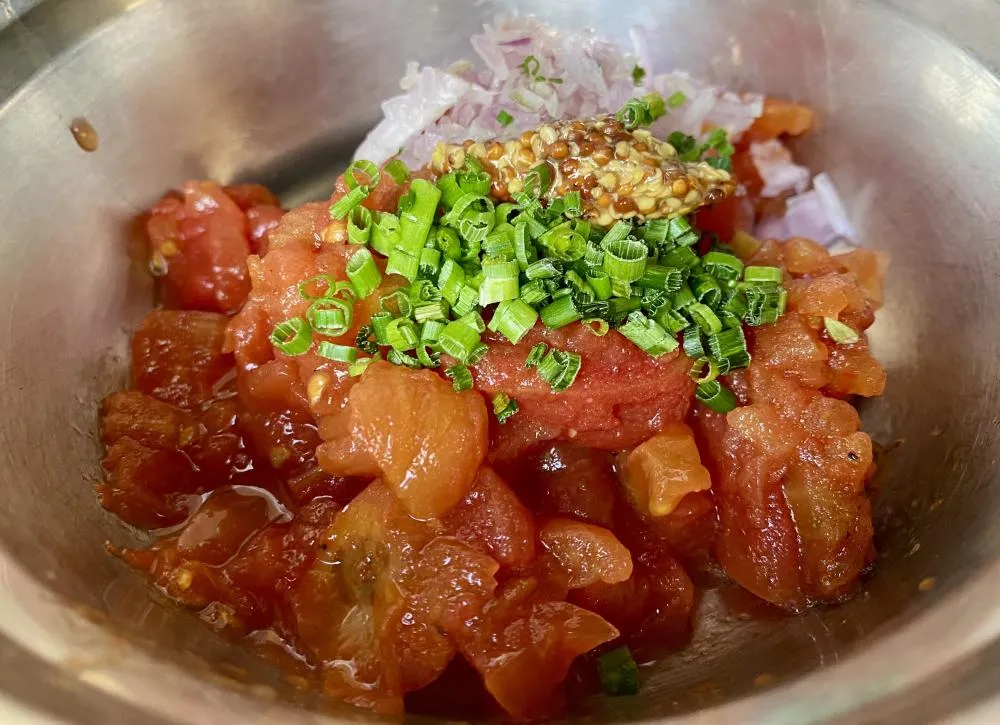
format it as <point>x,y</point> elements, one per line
<point>177,356</point>
<point>663,470</point>
<point>202,236</point>
<point>588,553</point>
<point>145,486</point>
<point>144,419</point>
<point>523,646</point>
<point>425,438</point>
<point>569,480</point>
<point>493,520</point>
<point>222,524</point>
<point>621,395</point>
<point>853,371</point>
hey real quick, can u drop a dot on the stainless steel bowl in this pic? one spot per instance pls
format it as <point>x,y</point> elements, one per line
<point>280,92</point>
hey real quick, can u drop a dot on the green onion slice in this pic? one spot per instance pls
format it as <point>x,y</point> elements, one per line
<point>359,225</point>
<point>504,407</point>
<point>343,206</point>
<point>716,396</point>
<point>459,340</point>
<point>292,337</point>
<point>363,273</point>
<point>560,312</point>
<point>619,672</point>
<point>839,332</point>
<point>513,319</point>
<point>624,259</point>
<point>754,275</point>
<point>330,316</point>
<point>398,171</point>
<point>596,326</point>
<point>337,353</point>
<point>369,175</point>
<point>461,377</point>
<point>401,334</point>
<point>536,355</point>
<point>504,118</point>
<point>559,369</point>
<point>648,335</point>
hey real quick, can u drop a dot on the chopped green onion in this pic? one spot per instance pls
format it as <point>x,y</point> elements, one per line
<point>428,356</point>
<point>600,282</point>
<point>624,259</point>
<point>473,216</point>
<point>504,212</point>
<point>524,248</point>
<point>401,334</point>
<point>716,396</point>
<point>730,345</point>
<point>478,353</point>
<point>683,298</point>
<point>430,262</point>
<point>618,232</point>
<point>358,367</point>
<point>671,320</point>
<point>704,370</point>
<point>560,312</point>
<point>535,356</point>
<point>292,337</point>
<point>573,206</point>
<point>337,353</point>
<point>513,319</point>
<point>559,369</point>
<point>397,303</point>
<point>430,331</point>
<point>642,111</point>
<point>363,340</point>
<point>658,277</point>
<point>676,99</point>
<point>693,346</point>
<point>468,300</point>
<point>363,273</point>
<point>655,231</point>
<point>704,317</point>
<point>500,282</point>
<point>596,326</point>
<point>563,243</point>
<point>398,357</point>
<point>503,407</point>
<point>329,316</point>
<point>765,303</point>
<point>461,378</point>
<point>538,180</point>
<point>723,267</point>
<point>385,233</point>
<point>398,171</point>
<point>451,280</point>
<point>681,233</point>
<point>380,323</point>
<point>458,339</point>
<point>619,673</point>
<point>504,118</point>
<point>500,242</point>
<point>430,311</point>
<point>638,73</point>
<point>367,169</point>
<point>754,275</point>
<point>534,293</point>
<point>648,335</point>
<point>544,269</point>
<point>359,225</point>
<point>680,257</point>
<point>327,284</point>
<point>343,206</point>
<point>706,289</point>
<point>414,226</point>
<point>839,332</point>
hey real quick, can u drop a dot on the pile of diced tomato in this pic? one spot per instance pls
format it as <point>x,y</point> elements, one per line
<point>405,545</point>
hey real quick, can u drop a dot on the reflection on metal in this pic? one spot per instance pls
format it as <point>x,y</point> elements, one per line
<point>240,89</point>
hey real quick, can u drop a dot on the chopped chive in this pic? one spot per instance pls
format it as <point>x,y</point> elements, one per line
<point>703,316</point>
<point>504,118</point>
<point>559,369</point>
<point>330,316</point>
<point>536,355</point>
<point>368,171</point>
<point>343,206</point>
<point>358,367</point>
<point>401,334</point>
<point>560,312</point>
<point>753,275</point>
<point>458,339</point>
<point>596,326</point>
<point>624,259</point>
<point>648,335</point>
<point>500,283</point>
<point>722,266</point>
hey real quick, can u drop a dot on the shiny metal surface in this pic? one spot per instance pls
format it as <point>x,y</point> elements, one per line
<point>275,92</point>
